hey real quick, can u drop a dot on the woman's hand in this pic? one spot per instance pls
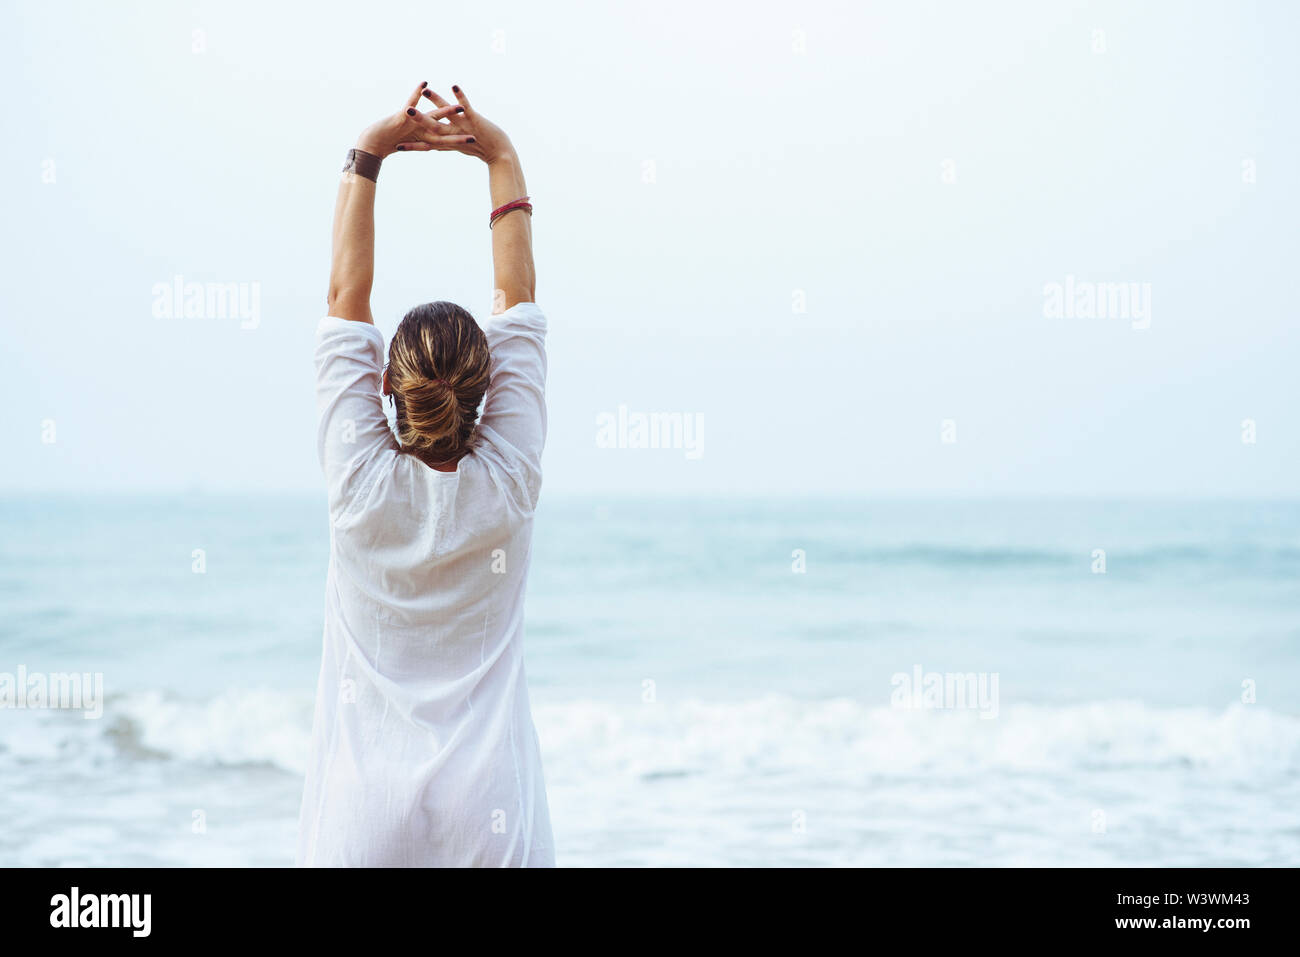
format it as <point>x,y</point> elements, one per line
<point>396,132</point>
<point>477,135</point>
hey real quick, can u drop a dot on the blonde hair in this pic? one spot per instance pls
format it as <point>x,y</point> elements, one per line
<point>438,369</point>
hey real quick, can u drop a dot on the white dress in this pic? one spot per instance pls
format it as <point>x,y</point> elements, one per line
<point>423,751</point>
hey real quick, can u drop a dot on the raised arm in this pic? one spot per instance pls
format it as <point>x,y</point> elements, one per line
<point>352,264</point>
<point>513,423</point>
<point>514,277</point>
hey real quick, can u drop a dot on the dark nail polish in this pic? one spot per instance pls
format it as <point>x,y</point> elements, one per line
<point>455,89</point>
<point>460,109</point>
<point>400,148</point>
<point>428,94</point>
<point>470,140</point>
<point>410,112</point>
<point>424,84</point>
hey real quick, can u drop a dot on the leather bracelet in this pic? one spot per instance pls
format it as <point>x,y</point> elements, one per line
<point>363,164</point>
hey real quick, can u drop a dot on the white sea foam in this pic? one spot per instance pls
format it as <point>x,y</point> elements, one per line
<point>272,728</point>
<point>783,734</point>
<point>761,781</point>
<point>253,727</point>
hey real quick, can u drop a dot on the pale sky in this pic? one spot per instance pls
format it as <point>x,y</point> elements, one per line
<point>912,175</point>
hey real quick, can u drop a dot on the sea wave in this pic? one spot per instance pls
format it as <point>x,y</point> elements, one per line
<point>838,737</point>
<point>237,727</point>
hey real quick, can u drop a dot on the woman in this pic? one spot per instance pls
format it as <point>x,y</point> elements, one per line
<point>423,749</point>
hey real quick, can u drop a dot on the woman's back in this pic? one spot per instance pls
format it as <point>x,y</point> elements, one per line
<point>423,748</point>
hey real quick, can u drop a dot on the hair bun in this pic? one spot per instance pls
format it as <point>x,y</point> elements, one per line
<point>432,412</point>
<point>438,369</point>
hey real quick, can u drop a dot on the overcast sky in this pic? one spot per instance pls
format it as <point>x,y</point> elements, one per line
<point>820,230</point>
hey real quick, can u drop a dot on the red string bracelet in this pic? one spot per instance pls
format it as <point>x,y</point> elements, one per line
<point>502,210</point>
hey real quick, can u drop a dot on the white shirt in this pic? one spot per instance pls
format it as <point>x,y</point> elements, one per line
<point>423,750</point>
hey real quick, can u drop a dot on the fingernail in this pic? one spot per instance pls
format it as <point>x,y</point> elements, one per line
<point>455,89</point>
<point>424,84</point>
<point>428,94</point>
<point>460,109</point>
<point>470,140</point>
<point>400,148</point>
<point>411,112</point>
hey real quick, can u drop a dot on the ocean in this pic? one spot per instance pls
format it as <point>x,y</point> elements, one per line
<point>714,682</point>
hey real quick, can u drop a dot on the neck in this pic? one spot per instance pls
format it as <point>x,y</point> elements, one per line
<point>439,464</point>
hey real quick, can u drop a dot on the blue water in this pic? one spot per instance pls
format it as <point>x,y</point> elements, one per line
<point>698,700</point>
